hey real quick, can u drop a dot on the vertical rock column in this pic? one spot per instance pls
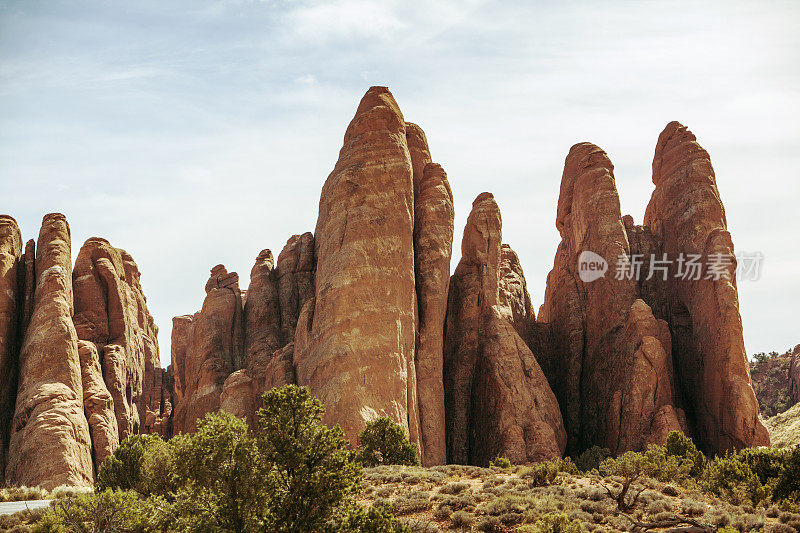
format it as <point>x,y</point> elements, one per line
<point>11,272</point>
<point>433,244</point>
<point>357,350</point>
<point>497,400</point>
<point>686,215</point>
<point>50,443</point>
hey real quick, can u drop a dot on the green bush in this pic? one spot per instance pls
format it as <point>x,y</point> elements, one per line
<point>732,479</point>
<point>541,474</point>
<point>314,475</point>
<point>590,459</point>
<point>105,512</point>
<point>377,519</point>
<point>223,478</point>
<point>679,445</point>
<point>556,523</point>
<point>632,467</point>
<point>383,442</point>
<point>788,484</point>
<point>500,462</point>
<point>141,463</point>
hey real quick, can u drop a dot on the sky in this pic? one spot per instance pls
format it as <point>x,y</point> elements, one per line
<point>193,133</point>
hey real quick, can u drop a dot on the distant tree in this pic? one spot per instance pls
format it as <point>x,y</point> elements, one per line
<point>314,475</point>
<point>142,463</point>
<point>383,442</point>
<point>679,445</point>
<point>633,467</point>
<point>223,479</point>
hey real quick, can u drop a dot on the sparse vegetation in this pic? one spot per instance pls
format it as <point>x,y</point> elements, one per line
<point>295,474</point>
<point>383,442</point>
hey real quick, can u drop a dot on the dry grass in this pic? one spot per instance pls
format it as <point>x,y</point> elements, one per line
<point>784,428</point>
<point>463,498</point>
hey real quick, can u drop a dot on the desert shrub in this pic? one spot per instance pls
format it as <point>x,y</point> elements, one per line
<point>22,520</point>
<point>733,480</point>
<point>541,474</point>
<point>590,459</point>
<point>141,463</point>
<point>462,519</point>
<point>105,512</point>
<point>633,467</point>
<point>693,507</point>
<point>780,528</point>
<point>223,478</point>
<point>21,494</point>
<point>556,523</point>
<point>453,488</point>
<point>377,519</point>
<point>670,490</point>
<point>500,462</point>
<point>442,512</point>
<point>766,463</point>
<point>489,524</point>
<point>679,445</point>
<point>313,473</point>
<point>383,442</point>
<point>788,484</point>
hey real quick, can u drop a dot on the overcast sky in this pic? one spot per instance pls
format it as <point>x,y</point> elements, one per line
<point>193,133</point>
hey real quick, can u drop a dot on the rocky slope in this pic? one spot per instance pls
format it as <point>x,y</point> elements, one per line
<point>366,314</point>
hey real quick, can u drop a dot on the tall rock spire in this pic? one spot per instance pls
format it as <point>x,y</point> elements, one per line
<point>358,357</point>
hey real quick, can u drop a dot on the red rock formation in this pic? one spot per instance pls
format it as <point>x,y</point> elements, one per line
<point>296,270</point>
<point>50,443</point>
<point>262,318</point>
<point>214,350</point>
<point>794,375</point>
<point>111,312</point>
<point>497,399</point>
<point>98,404</point>
<point>686,216</point>
<point>11,271</point>
<point>433,244</point>
<point>359,358</point>
<point>604,372</point>
<point>239,396</point>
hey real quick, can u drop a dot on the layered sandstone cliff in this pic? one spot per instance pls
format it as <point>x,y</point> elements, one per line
<point>366,314</point>
<point>77,347</point>
<point>645,349</point>
<point>497,399</point>
<point>794,375</point>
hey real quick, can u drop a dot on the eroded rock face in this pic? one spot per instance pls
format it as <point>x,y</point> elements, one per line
<point>11,274</point>
<point>213,351</point>
<point>497,400</point>
<point>433,244</point>
<point>50,443</point>
<point>638,352</point>
<point>794,375</point>
<point>111,312</point>
<point>296,271</point>
<point>98,404</point>
<point>262,317</point>
<point>686,216</point>
<point>359,358</point>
